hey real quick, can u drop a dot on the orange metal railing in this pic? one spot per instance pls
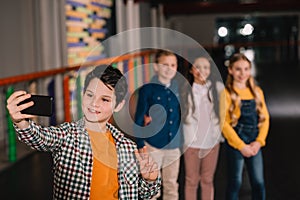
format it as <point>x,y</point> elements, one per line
<point>125,62</point>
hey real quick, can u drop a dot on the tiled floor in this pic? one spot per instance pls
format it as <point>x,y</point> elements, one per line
<point>22,152</point>
<point>29,178</point>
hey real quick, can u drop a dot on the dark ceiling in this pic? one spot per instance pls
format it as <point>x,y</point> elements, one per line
<point>186,7</point>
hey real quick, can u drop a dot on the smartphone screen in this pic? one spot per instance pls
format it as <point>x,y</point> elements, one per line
<point>43,105</point>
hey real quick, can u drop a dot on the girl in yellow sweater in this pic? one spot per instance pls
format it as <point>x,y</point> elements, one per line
<point>245,123</point>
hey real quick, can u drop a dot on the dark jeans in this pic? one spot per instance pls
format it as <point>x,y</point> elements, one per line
<point>247,130</point>
<point>235,170</point>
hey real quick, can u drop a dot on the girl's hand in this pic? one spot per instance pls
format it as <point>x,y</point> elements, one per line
<point>147,120</point>
<point>148,167</point>
<point>247,151</point>
<point>15,110</point>
<point>255,147</point>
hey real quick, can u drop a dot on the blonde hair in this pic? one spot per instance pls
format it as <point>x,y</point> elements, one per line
<point>235,99</point>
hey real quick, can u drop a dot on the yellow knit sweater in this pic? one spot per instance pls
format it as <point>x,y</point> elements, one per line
<point>229,133</point>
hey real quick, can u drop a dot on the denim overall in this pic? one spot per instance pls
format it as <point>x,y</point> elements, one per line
<point>247,130</point>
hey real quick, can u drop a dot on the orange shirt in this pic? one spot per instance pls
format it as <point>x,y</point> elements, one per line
<point>104,183</point>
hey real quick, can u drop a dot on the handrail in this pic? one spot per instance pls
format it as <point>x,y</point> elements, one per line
<point>52,72</point>
<point>127,62</point>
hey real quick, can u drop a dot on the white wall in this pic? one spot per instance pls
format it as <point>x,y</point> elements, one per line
<point>145,14</point>
<point>16,37</point>
<point>31,36</point>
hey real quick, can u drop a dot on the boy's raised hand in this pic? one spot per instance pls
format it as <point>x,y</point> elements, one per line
<point>15,110</point>
<point>148,167</point>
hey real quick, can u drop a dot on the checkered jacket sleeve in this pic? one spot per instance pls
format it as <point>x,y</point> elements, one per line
<point>41,138</point>
<point>72,156</point>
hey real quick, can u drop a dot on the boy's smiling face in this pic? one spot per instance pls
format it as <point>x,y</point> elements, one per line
<point>166,68</point>
<point>98,102</point>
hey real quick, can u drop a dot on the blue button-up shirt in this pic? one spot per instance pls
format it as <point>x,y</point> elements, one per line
<point>162,104</point>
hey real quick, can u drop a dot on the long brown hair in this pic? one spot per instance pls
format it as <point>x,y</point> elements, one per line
<point>212,93</point>
<point>235,99</point>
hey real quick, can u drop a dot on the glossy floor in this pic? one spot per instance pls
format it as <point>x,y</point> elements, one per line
<point>31,178</point>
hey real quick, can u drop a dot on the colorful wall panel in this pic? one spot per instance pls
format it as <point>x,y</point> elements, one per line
<point>86,27</point>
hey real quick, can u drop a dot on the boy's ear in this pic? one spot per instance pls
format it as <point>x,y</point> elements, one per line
<point>155,66</point>
<point>119,106</point>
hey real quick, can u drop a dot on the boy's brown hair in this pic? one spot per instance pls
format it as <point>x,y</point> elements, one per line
<point>111,77</point>
<point>163,52</point>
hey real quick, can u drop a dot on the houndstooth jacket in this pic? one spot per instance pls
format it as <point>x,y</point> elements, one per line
<point>73,160</point>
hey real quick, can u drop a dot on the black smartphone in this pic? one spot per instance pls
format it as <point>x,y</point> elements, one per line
<point>43,105</point>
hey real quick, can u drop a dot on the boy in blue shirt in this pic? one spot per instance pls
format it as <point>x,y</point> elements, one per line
<point>162,136</point>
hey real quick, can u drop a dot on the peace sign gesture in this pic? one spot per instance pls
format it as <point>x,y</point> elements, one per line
<point>148,167</point>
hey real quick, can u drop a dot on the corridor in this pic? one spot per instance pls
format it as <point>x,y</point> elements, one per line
<point>31,177</point>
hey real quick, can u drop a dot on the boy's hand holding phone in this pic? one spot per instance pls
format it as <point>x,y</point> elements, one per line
<point>22,106</point>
